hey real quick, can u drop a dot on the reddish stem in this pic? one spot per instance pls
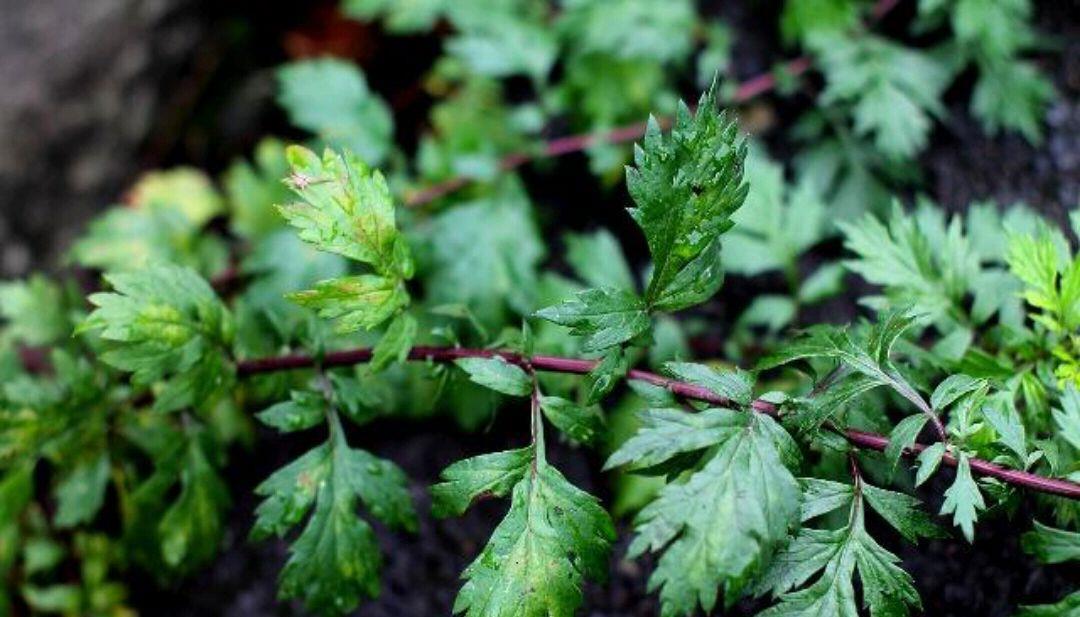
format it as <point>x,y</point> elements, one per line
<point>872,441</point>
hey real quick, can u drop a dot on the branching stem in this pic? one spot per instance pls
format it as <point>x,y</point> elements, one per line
<point>556,364</point>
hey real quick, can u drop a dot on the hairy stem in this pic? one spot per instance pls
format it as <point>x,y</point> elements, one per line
<point>556,364</point>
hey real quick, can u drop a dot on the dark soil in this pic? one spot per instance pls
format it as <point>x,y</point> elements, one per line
<point>989,578</point>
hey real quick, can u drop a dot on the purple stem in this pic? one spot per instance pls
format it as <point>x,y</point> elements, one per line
<point>556,364</point>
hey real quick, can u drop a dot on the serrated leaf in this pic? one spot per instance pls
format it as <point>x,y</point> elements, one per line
<point>484,254</point>
<point>776,224</point>
<point>1002,415</point>
<point>922,261</point>
<point>952,389</point>
<point>357,302</point>
<point>505,43</point>
<point>686,187</point>
<point>493,474</point>
<point>165,323</point>
<point>736,384</point>
<point>331,98</point>
<point>888,591</point>
<point>584,424</point>
<point>822,496</point>
<point>894,91</point>
<point>1012,94</point>
<point>395,343</point>
<point>497,374</point>
<point>667,433</point>
<point>929,461</point>
<point>870,357</point>
<point>902,437</point>
<point>552,539</point>
<point>834,399</point>
<point>903,512</point>
<point>719,527</point>
<point>963,499</point>
<point>335,561</point>
<point>607,373</point>
<point>631,29</point>
<point>1051,545</point>
<point>605,316</point>
<point>347,209</point>
<point>302,411</point>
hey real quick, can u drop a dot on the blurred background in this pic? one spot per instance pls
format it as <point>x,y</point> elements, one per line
<point>95,92</point>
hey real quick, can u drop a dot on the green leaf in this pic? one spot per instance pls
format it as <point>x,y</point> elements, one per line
<point>832,401</point>
<point>894,91</point>
<point>331,98</point>
<point>605,316</point>
<point>335,561</point>
<point>720,526</point>
<point>302,411</point>
<point>128,238</point>
<point>399,17</point>
<point>823,496</point>
<point>484,254</point>
<point>869,357</point>
<point>165,323</point>
<point>686,188</point>
<point>581,423</point>
<point>1053,283</point>
<point>903,512</point>
<point>357,302</point>
<point>81,493</point>
<point>1067,418</point>
<point>1051,545</point>
<point>1002,415</point>
<point>631,28</point>
<point>776,224</point>
<point>888,591</point>
<point>395,344</point>
<point>953,388</point>
<point>191,529</point>
<point>346,208</point>
<point>668,433</point>
<point>736,384</point>
<point>505,43</point>
<point>818,21</point>
<point>963,499</point>
<point>598,260</point>
<point>1012,95</point>
<point>1069,606</point>
<point>920,261</point>
<point>493,474</point>
<point>183,189</point>
<point>254,188</point>
<point>607,373</point>
<point>34,311</point>
<point>497,374</point>
<point>553,537</point>
<point>929,461</point>
<point>770,311</point>
<point>903,436</point>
